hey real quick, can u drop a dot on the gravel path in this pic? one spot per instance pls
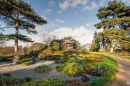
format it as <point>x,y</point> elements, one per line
<point>123,74</point>
<point>24,71</point>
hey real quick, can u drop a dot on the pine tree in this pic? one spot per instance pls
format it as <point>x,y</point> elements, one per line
<point>115,14</point>
<point>19,15</point>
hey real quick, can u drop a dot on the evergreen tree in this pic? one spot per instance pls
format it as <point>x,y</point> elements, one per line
<point>19,15</point>
<point>115,14</point>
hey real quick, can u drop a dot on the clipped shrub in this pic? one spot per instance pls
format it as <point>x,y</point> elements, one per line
<point>102,81</point>
<point>45,82</point>
<point>76,82</point>
<point>42,69</point>
<point>26,61</point>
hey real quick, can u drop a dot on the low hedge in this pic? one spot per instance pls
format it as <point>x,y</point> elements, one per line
<point>51,57</point>
<point>42,69</point>
<point>45,82</point>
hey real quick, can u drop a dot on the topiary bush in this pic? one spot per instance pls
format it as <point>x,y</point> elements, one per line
<point>42,69</point>
<point>26,61</point>
<point>45,82</point>
<point>101,81</point>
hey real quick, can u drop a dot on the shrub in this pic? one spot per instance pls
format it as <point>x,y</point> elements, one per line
<point>76,83</point>
<point>26,61</point>
<point>10,81</point>
<point>27,79</point>
<point>102,81</point>
<point>45,82</point>
<point>90,69</point>
<point>94,58</point>
<point>42,69</point>
<point>73,66</point>
<point>51,57</point>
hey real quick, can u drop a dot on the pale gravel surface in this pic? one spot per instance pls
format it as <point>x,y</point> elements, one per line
<point>24,71</point>
<point>123,74</point>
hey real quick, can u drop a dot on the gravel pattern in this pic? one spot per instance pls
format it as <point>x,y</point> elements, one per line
<point>24,71</point>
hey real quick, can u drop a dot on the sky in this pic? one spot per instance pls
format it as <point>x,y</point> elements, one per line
<point>74,18</point>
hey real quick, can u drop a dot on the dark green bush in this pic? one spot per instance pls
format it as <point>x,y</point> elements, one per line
<point>45,82</point>
<point>27,79</point>
<point>10,81</point>
<point>42,69</point>
<point>101,81</point>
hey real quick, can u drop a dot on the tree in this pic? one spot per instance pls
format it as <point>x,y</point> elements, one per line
<point>2,40</point>
<point>115,14</point>
<point>47,39</point>
<point>114,39</point>
<point>55,46</point>
<point>19,15</point>
<point>95,46</point>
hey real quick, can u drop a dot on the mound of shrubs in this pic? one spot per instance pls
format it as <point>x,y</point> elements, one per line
<point>45,82</point>
<point>26,61</point>
<point>12,81</point>
<point>73,66</point>
<point>42,69</point>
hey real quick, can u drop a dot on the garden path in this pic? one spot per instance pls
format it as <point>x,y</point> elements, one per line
<point>123,74</point>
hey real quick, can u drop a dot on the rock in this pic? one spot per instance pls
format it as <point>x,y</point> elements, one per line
<point>102,69</point>
<point>85,78</point>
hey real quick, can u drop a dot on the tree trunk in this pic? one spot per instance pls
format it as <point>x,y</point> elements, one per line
<point>112,46</point>
<point>16,56</point>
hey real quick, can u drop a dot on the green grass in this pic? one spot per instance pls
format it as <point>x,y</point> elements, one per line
<point>107,62</point>
<point>118,54</point>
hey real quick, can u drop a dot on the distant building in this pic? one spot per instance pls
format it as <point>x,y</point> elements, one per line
<point>69,45</point>
<point>36,46</point>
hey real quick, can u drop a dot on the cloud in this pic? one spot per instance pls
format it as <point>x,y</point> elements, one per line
<point>51,3</point>
<point>91,7</point>
<point>72,3</point>
<point>82,34</point>
<point>60,21</point>
<point>48,11</point>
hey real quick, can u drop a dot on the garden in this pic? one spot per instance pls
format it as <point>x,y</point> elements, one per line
<point>73,63</point>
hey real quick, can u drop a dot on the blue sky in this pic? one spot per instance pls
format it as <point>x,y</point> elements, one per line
<point>74,18</point>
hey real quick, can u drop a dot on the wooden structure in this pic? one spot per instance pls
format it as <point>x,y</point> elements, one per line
<point>69,45</point>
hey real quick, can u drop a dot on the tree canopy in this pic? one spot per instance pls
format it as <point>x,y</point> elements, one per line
<point>115,14</point>
<point>19,15</point>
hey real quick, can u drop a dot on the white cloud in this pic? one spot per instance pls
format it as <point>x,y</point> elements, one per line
<point>82,34</point>
<point>91,7</point>
<point>60,21</point>
<point>51,3</point>
<point>72,3</point>
<point>48,11</point>
<point>65,4</point>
